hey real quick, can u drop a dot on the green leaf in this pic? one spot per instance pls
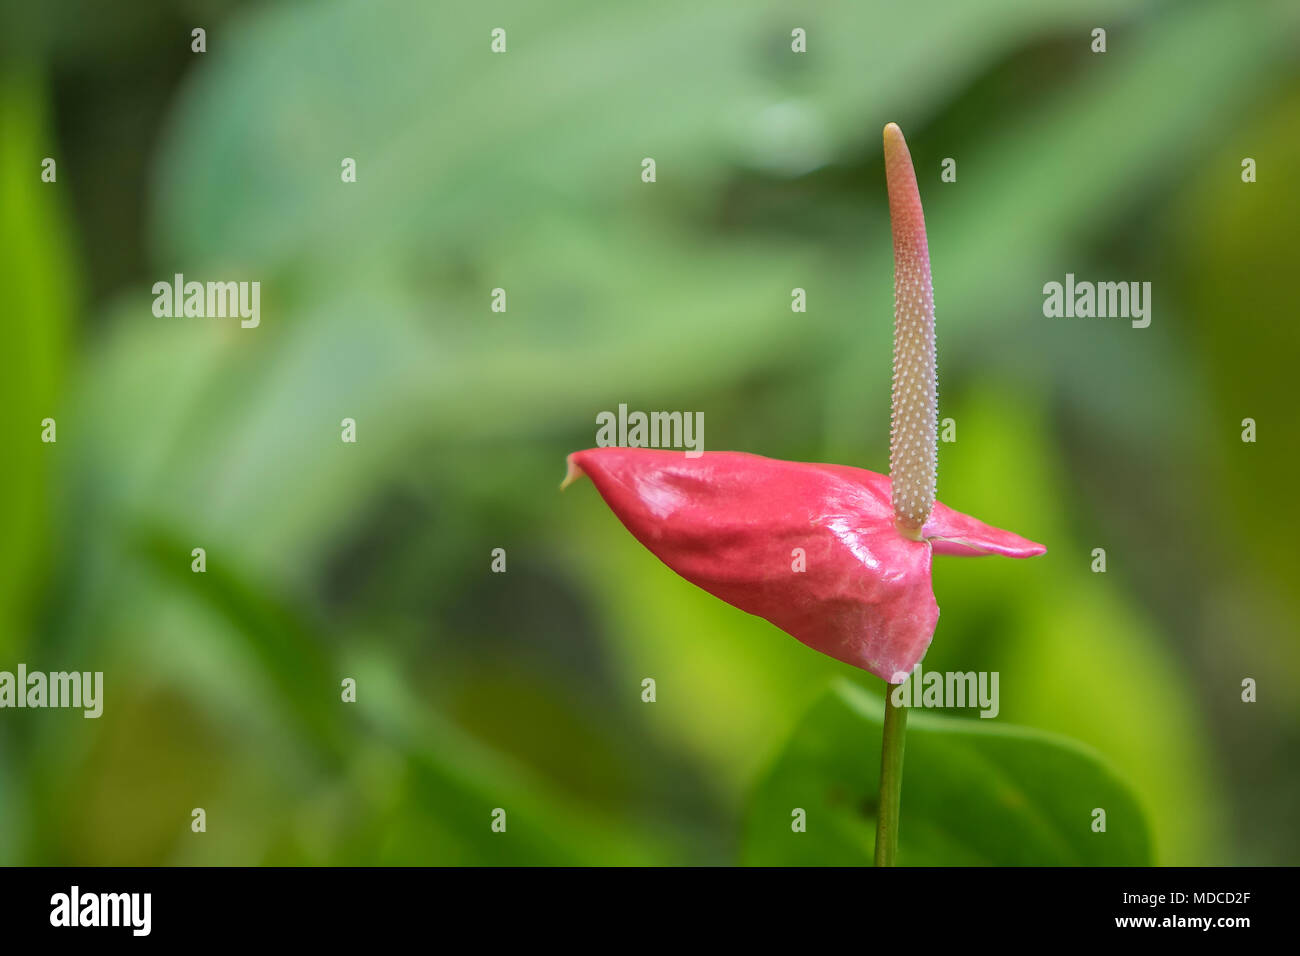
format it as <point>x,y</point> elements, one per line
<point>974,793</point>
<point>37,274</point>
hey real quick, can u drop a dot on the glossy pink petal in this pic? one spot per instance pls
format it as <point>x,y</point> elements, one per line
<point>730,523</point>
<point>953,533</point>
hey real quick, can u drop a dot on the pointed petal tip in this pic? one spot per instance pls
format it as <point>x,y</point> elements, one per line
<point>1002,543</point>
<point>573,471</point>
<point>950,532</point>
<point>1024,548</point>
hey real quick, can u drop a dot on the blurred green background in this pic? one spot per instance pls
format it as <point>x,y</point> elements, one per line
<point>523,690</point>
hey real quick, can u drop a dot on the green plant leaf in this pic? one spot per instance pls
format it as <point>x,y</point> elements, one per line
<point>974,793</point>
<point>37,272</point>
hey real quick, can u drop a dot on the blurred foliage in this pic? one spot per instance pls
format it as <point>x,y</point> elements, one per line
<point>522,690</point>
<point>979,793</point>
<point>38,272</point>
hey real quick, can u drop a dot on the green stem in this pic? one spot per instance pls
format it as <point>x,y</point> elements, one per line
<point>891,779</point>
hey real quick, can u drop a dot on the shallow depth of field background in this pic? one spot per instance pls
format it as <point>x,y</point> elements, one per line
<point>522,690</point>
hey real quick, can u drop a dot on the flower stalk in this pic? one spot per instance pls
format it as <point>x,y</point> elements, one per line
<point>891,779</point>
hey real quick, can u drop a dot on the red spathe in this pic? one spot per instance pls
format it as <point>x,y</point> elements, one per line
<point>731,522</point>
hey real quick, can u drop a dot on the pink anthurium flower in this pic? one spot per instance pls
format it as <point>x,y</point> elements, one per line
<point>837,557</point>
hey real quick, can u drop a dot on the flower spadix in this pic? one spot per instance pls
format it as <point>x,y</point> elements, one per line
<point>914,406</point>
<point>837,557</point>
